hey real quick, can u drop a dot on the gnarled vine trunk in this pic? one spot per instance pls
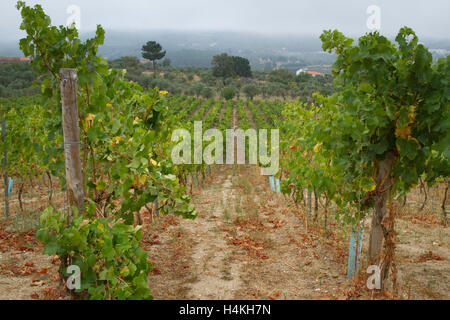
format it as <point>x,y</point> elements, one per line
<point>383,181</point>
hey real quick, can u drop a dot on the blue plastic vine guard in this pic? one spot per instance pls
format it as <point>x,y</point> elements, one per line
<point>354,251</point>
<point>10,185</point>
<point>272,183</point>
<point>278,186</point>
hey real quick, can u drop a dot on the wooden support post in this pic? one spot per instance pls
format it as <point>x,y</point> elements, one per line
<point>5,162</point>
<point>74,178</point>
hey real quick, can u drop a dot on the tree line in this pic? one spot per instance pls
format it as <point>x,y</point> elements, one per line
<point>228,77</point>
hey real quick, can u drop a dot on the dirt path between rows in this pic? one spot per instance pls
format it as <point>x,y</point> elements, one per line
<point>250,116</point>
<point>212,252</point>
<point>250,243</point>
<point>244,244</point>
<point>200,246</point>
<point>221,113</point>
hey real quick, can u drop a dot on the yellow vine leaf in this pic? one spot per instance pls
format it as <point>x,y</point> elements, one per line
<point>318,147</point>
<point>403,133</point>
<point>367,184</point>
<point>136,120</point>
<point>116,140</point>
<point>412,111</point>
<point>369,189</point>
<point>89,121</point>
<point>140,180</point>
<point>90,117</point>
<point>414,139</point>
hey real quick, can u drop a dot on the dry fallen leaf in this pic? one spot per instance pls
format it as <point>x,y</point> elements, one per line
<point>37,284</point>
<point>44,270</point>
<point>155,270</point>
<point>34,296</point>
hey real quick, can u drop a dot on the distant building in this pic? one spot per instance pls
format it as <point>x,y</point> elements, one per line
<point>313,73</point>
<point>13,59</point>
<point>299,71</point>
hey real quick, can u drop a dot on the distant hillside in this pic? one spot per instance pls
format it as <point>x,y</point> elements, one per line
<point>196,49</point>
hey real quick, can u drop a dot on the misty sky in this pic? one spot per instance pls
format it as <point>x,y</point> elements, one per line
<point>428,18</point>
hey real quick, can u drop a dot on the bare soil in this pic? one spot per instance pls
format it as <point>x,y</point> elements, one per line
<point>250,243</point>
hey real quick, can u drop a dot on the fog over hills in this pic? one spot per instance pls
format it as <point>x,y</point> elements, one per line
<point>197,48</point>
<point>271,35</point>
